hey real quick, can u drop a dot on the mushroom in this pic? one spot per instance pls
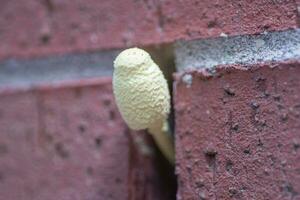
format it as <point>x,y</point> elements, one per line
<point>143,97</point>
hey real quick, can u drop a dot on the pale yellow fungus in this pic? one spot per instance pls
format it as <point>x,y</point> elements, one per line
<point>142,95</point>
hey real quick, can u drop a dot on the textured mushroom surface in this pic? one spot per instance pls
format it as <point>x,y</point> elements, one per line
<point>140,89</point>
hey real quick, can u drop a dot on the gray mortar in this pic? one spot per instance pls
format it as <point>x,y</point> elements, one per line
<point>26,73</point>
<point>245,49</point>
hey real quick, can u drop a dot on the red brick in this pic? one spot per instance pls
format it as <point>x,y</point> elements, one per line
<point>32,28</point>
<point>18,131</point>
<point>69,142</point>
<point>35,28</point>
<point>237,133</point>
<point>192,19</point>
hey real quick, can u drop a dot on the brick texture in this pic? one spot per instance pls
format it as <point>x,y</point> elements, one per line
<point>35,28</point>
<point>32,28</point>
<point>237,132</point>
<point>69,142</point>
<point>213,18</point>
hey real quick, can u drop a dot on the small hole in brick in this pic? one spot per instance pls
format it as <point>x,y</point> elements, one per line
<point>61,151</point>
<point>229,91</point>
<point>111,115</point>
<point>254,105</point>
<point>89,171</point>
<point>199,183</point>
<point>49,5</point>
<point>81,128</point>
<point>98,142</point>
<point>49,137</point>
<point>210,155</point>
<point>1,177</point>
<point>280,106</point>
<point>188,133</point>
<point>296,146</point>
<point>106,102</point>
<point>210,151</point>
<point>266,27</point>
<point>45,38</point>
<point>266,94</point>
<point>276,97</point>
<point>260,144</point>
<point>232,192</point>
<point>259,79</point>
<point>189,169</point>
<point>211,24</point>
<point>224,100</point>
<point>188,154</point>
<point>284,117</point>
<point>3,149</point>
<point>74,26</point>
<point>118,180</point>
<point>288,188</point>
<point>229,166</point>
<point>235,127</point>
<point>247,151</point>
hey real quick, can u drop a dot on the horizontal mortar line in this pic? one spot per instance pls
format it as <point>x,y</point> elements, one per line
<point>244,49</point>
<point>31,72</point>
<point>205,53</point>
<point>75,83</point>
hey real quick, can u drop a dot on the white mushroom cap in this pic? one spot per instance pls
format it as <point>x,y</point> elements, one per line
<point>140,89</point>
<point>131,58</point>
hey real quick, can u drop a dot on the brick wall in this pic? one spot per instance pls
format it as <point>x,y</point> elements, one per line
<point>237,133</point>
<point>69,142</point>
<point>33,28</point>
<point>236,99</point>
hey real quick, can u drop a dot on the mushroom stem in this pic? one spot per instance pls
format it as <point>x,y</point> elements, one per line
<point>163,140</point>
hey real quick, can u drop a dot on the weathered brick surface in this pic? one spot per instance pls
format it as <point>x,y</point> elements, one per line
<point>18,130</point>
<point>34,28</point>
<point>237,133</point>
<point>30,28</point>
<point>69,142</point>
<point>211,18</point>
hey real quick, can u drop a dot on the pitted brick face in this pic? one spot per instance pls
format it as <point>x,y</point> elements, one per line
<point>237,133</point>
<point>69,142</point>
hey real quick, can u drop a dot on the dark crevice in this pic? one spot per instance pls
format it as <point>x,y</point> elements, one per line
<point>98,142</point>
<point>49,5</point>
<point>3,149</point>
<point>81,128</point>
<point>61,150</point>
<point>163,55</point>
<point>1,177</point>
<point>210,155</point>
